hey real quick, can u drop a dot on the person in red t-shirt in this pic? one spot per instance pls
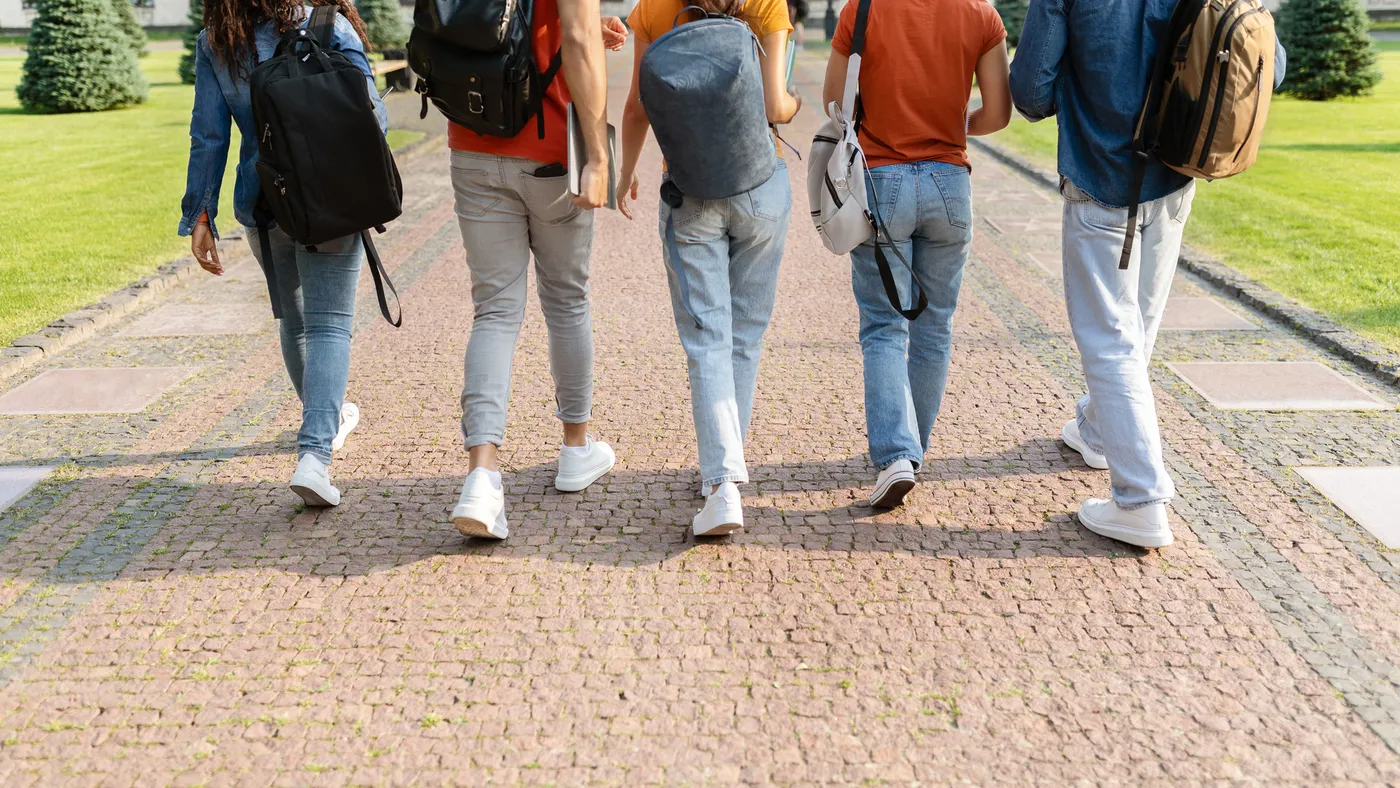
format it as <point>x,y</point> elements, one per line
<point>513,200</point>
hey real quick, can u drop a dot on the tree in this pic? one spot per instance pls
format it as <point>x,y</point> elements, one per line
<point>1013,15</point>
<point>1329,49</point>
<point>191,39</point>
<point>126,20</point>
<point>75,64</point>
<point>384,22</point>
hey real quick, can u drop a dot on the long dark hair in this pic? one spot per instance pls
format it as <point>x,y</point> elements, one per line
<point>229,24</point>
<point>726,7</point>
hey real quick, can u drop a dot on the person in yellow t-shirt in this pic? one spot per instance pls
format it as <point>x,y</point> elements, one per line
<point>724,277</point>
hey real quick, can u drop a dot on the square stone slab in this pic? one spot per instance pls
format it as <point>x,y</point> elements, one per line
<point>1202,314</point>
<point>1370,496</point>
<point>1274,385</point>
<point>1049,263</point>
<point>15,482</point>
<point>183,320</point>
<point>94,390</point>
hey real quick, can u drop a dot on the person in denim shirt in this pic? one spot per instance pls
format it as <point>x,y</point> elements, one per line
<point>313,293</point>
<point>1089,63</point>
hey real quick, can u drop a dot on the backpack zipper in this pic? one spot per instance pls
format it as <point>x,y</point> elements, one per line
<point>1220,89</point>
<point>1253,116</point>
<point>1199,116</point>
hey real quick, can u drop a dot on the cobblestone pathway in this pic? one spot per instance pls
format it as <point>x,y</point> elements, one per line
<point>169,615</point>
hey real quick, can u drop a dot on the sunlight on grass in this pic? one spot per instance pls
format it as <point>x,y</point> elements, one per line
<point>1318,217</point>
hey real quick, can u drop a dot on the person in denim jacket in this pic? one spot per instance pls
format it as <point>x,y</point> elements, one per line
<point>313,293</point>
<point>1088,63</point>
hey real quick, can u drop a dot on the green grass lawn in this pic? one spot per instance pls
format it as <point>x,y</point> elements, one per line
<point>1318,217</point>
<point>90,202</point>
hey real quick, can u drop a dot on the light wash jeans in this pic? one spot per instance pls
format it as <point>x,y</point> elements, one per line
<point>315,307</point>
<point>1114,315</point>
<point>927,211</point>
<point>505,213</point>
<point>729,253</point>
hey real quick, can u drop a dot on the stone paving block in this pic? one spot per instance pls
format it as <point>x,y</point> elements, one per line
<point>1047,262</point>
<point>1202,313</point>
<point>177,320</point>
<point>1274,385</point>
<point>15,482</point>
<point>1370,496</point>
<point>92,390</point>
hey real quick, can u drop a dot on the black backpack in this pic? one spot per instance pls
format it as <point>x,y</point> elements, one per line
<point>475,62</point>
<point>325,168</point>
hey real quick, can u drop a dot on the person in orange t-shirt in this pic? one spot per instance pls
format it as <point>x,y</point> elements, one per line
<point>916,70</point>
<point>513,200</point>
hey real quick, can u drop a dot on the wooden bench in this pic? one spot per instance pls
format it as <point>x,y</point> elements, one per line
<point>395,72</point>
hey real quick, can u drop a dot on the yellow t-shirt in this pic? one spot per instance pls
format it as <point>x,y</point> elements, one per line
<point>652,19</point>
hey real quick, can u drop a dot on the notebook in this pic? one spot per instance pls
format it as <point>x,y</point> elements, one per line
<point>578,157</point>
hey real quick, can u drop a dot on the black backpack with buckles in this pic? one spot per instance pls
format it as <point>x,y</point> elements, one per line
<point>475,62</point>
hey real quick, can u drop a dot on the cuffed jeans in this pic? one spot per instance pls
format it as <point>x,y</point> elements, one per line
<point>1114,315</point>
<point>505,213</point>
<point>926,208</point>
<point>316,295</point>
<point>728,256</point>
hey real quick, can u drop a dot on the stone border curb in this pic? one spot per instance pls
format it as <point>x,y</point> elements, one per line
<point>74,327</point>
<point>1322,331</point>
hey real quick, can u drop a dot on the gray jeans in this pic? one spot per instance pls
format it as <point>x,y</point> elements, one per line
<point>506,213</point>
<point>1115,316</point>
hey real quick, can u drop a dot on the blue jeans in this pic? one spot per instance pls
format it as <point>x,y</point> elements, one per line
<point>729,252</point>
<point>316,291</point>
<point>927,211</point>
<point>1114,316</point>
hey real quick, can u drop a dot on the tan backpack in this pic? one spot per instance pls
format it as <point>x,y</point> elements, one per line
<point>1209,95</point>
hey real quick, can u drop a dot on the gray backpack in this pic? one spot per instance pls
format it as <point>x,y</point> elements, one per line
<point>703,92</point>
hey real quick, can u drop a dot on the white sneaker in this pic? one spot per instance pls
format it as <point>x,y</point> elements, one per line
<point>481,508</point>
<point>1070,435</point>
<point>723,513</point>
<point>894,483</point>
<point>312,481</point>
<point>349,420</point>
<point>578,469</point>
<point>1145,527</point>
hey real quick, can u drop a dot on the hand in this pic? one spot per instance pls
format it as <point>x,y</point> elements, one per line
<point>614,33</point>
<point>206,250</point>
<point>592,187</point>
<point>627,188</point>
<point>797,104</point>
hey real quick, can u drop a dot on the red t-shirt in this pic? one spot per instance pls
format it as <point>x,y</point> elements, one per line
<point>916,75</point>
<point>553,149</point>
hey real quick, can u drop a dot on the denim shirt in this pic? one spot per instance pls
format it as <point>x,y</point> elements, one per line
<point>1089,62</point>
<point>221,99</point>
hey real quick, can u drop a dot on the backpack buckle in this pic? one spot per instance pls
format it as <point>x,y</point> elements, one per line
<point>475,104</point>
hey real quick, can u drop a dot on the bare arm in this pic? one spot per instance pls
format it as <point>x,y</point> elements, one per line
<point>994,81</point>
<point>635,125</point>
<point>586,74</point>
<point>780,105</point>
<point>834,89</point>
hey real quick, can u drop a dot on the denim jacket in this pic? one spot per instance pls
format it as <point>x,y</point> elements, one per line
<point>1089,62</point>
<point>221,99</point>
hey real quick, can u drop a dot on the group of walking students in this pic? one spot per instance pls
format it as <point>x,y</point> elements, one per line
<point>913,63</point>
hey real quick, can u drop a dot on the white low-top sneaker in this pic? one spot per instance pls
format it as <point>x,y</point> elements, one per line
<point>481,508</point>
<point>1070,435</point>
<point>579,469</point>
<point>723,513</point>
<point>312,481</point>
<point>894,483</point>
<point>349,420</point>
<point>1145,527</point>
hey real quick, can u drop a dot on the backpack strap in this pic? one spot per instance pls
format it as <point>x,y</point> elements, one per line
<point>381,279</point>
<point>322,24</point>
<point>882,239</point>
<point>542,83</point>
<point>850,102</point>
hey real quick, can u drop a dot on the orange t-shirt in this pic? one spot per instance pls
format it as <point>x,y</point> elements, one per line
<point>554,148</point>
<point>916,75</point>
<point>652,19</point>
